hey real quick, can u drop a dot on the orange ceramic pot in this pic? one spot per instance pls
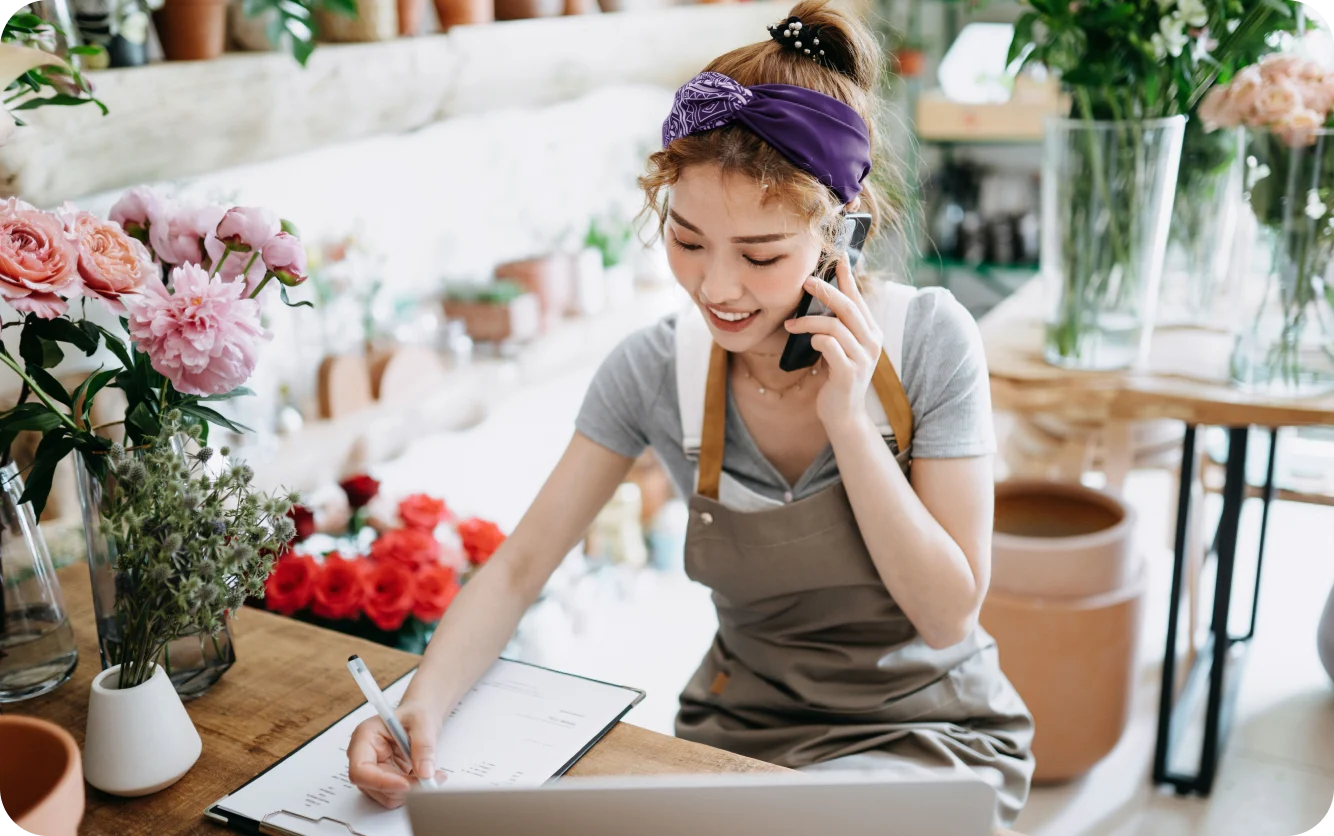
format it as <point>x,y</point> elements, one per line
<point>1073,662</point>
<point>464,12</point>
<point>1060,540</point>
<point>43,789</point>
<point>193,30</point>
<point>550,277</point>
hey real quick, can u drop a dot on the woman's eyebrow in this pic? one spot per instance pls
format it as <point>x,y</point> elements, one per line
<point>742,239</point>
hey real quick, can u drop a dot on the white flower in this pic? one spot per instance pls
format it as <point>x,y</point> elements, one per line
<point>1193,12</point>
<point>1315,208</point>
<point>1170,39</point>
<point>1255,172</point>
<point>1232,25</point>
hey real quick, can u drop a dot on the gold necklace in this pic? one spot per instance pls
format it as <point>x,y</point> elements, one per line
<point>766,390</point>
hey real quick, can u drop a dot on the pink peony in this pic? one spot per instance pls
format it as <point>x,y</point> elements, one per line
<point>111,263</point>
<point>203,336</point>
<point>1216,109</point>
<point>178,238</point>
<point>252,264</point>
<point>138,208</point>
<point>1246,90</point>
<point>38,263</point>
<point>248,227</point>
<point>1277,101</point>
<point>286,258</point>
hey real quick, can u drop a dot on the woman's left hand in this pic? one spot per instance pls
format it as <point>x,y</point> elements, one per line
<point>849,342</point>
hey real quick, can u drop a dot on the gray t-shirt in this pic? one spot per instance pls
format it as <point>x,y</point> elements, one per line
<point>632,402</point>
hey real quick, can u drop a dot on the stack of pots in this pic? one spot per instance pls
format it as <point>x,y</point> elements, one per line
<point>1064,606</point>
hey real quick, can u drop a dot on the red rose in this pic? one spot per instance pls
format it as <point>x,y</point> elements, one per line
<point>360,490</point>
<point>407,547</point>
<point>340,588</point>
<point>422,512</point>
<point>436,588</point>
<point>291,584</point>
<point>304,519</point>
<point>480,539</point>
<point>390,590</point>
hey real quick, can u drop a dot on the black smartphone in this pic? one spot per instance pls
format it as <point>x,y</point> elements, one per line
<point>798,354</point>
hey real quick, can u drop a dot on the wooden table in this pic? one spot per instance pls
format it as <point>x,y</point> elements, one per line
<point>287,685</point>
<point>1184,378</point>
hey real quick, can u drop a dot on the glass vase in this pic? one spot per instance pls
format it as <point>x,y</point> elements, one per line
<point>1198,280</point>
<point>1284,341</point>
<point>37,650</point>
<point>1107,194</point>
<point>194,662</point>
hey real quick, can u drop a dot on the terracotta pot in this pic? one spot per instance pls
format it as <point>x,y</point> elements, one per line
<point>411,14</point>
<point>518,320</point>
<point>193,30</point>
<point>581,7</point>
<point>464,12</point>
<point>550,277</point>
<point>525,9</point>
<point>377,20</point>
<point>1060,540</point>
<point>911,62</point>
<point>43,790</point>
<point>1073,662</point>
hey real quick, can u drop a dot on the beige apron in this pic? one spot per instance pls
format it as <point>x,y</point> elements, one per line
<point>813,660</point>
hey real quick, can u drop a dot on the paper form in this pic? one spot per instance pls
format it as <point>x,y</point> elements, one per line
<point>519,726</point>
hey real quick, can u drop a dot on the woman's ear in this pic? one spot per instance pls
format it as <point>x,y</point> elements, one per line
<point>854,204</point>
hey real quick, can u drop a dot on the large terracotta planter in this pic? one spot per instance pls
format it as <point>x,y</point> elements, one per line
<point>43,789</point>
<point>464,12</point>
<point>193,30</point>
<point>1073,662</point>
<point>518,320</point>
<point>1060,540</point>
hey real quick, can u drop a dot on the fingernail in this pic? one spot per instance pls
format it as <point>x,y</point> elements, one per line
<point>427,769</point>
<point>788,324</point>
<point>810,281</point>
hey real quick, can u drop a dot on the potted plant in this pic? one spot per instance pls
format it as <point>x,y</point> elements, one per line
<point>1110,169</point>
<point>611,237</point>
<point>152,265</point>
<point>498,312</point>
<point>192,545</point>
<point>453,13</point>
<point>34,76</point>
<point>266,24</point>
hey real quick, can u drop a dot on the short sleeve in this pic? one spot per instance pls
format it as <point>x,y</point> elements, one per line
<point>616,409</point>
<point>945,374</point>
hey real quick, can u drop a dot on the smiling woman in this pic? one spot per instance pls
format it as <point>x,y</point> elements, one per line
<point>840,512</point>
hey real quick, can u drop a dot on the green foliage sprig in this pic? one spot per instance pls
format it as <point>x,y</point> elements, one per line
<point>295,19</point>
<point>67,86</point>
<point>190,546</point>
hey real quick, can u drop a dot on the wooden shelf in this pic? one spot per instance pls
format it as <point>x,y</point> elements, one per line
<point>175,120</point>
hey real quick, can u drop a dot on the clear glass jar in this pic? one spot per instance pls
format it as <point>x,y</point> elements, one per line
<point>1107,194</point>
<point>37,650</point>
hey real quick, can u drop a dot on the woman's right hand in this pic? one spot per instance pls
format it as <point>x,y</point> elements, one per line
<point>375,764</point>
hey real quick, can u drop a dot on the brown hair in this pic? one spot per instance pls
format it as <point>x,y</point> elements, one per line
<point>851,76</point>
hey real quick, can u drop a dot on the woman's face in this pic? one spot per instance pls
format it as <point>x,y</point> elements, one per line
<point>741,259</point>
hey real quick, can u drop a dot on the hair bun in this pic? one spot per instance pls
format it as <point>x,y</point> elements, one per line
<point>832,38</point>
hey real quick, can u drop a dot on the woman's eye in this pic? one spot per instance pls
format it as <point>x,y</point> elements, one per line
<point>677,242</point>
<point>767,262</point>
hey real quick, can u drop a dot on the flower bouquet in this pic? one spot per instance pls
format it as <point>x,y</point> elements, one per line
<point>1285,344</point>
<point>396,592</point>
<point>185,285</point>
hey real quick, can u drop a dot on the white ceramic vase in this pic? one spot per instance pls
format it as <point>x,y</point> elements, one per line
<point>138,740</point>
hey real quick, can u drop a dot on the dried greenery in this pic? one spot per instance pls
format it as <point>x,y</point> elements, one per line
<point>191,545</point>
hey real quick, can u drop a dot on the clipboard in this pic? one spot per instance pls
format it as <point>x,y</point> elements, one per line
<point>272,824</point>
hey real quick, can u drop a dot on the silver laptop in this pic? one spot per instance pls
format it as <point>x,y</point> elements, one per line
<point>803,804</point>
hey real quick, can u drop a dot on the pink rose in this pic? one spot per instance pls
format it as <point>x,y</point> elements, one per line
<point>1300,128</point>
<point>1277,102</point>
<point>1278,67</point>
<point>1216,109</point>
<point>111,263</point>
<point>286,258</point>
<point>203,335</point>
<point>179,240</point>
<point>251,264</point>
<point>38,263</point>
<point>248,227</point>
<point>1246,90</point>
<point>137,209</point>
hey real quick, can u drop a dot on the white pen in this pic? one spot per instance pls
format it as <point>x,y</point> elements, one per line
<point>376,698</point>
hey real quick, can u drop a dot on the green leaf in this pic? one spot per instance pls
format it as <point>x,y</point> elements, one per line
<point>1278,6</point>
<point>1023,36</point>
<point>291,304</point>
<point>141,423</point>
<point>39,352</point>
<point>117,348</point>
<point>25,22</point>
<point>86,50</point>
<point>48,384</point>
<point>67,331</point>
<point>347,8</point>
<point>238,392</point>
<point>204,413</point>
<point>59,100</point>
<point>26,417</point>
<point>54,447</point>
<point>94,384</point>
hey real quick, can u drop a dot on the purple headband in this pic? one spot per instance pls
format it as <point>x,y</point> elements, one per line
<point>817,133</point>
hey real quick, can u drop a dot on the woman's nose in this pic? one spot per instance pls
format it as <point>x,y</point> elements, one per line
<point>721,285</point>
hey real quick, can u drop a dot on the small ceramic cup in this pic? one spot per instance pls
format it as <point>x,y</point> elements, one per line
<point>42,790</point>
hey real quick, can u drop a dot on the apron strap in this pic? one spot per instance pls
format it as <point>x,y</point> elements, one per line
<point>885,381</point>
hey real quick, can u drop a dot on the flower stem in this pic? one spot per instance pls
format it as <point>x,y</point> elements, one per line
<point>261,286</point>
<point>37,390</point>
<point>226,253</point>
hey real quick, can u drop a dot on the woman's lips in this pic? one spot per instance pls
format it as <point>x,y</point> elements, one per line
<point>730,324</point>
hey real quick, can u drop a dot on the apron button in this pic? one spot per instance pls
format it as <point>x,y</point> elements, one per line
<point>706,518</point>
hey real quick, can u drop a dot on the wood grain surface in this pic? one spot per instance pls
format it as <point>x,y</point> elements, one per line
<point>1185,378</point>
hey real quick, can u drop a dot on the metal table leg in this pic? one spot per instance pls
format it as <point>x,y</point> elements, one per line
<point>1216,672</point>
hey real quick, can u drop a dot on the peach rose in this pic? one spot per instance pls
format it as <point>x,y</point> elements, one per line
<point>1245,93</point>
<point>38,264</point>
<point>1216,109</point>
<point>111,263</point>
<point>1279,67</point>
<point>1300,128</point>
<point>1277,102</point>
